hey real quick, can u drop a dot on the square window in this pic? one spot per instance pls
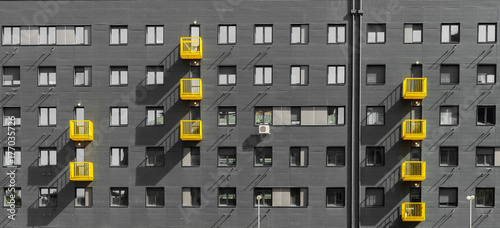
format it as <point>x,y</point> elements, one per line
<point>83,197</point>
<point>118,157</point>
<point>375,115</point>
<point>47,157</point>
<point>227,116</point>
<point>413,33</point>
<point>450,74</point>
<point>375,156</point>
<point>155,156</point>
<point>154,34</point>
<point>47,117</point>
<point>374,197</point>
<point>376,33</point>
<point>486,74</point>
<point>227,75</point>
<point>448,115</point>
<point>263,75</point>
<point>11,76</point>
<point>486,115</point>
<point>118,76</point>
<point>227,34</point>
<point>48,197</point>
<point>450,33</point>
<point>448,156</point>
<point>263,115</point>
<point>299,75</point>
<point>335,156</point>
<point>335,115</point>
<point>336,75</point>
<point>191,197</point>
<point>155,197</point>
<point>46,76</point>
<point>335,197</point>
<point>299,156</point>
<point>191,157</point>
<point>154,116</point>
<point>485,156</point>
<point>12,196</point>
<point>266,197</point>
<point>227,197</point>
<point>154,75</point>
<point>11,156</point>
<point>226,156</point>
<point>448,197</point>
<point>47,35</point>
<point>263,34</point>
<point>11,35</point>
<point>118,116</point>
<point>83,76</point>
<point>300,34</point>
<point>485,197</point>
<point>263,156</point>
<point>11,116</point>
<point>375,74</point>
<point>118,35</point>
<point>118,197</point>
<point>487,33</point>
<point>336,34</point>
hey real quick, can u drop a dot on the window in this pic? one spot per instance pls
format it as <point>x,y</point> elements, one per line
<point>227,34</point>
<point>299,156</point>
<point>299,75</point>
<point>374,197</point>
<point>154,34</point>
<point>155,116</point>
<point>335,197</point>
<point>226,156</point>
<point>485,197</point>
<point>375,156</point>
<point>263,156</point>
<point>191,197</point>
<point>12,196</point>
<point>300,34</point>
<point>376,33</point>
<point>8,112</point>
<point>155,197</point>
<point>72,35</point>
<point>266,194</point>
<point>486,115</point>
<point>11,156</point>
<point>263,115</point>
<point>450,33</point>
<point>281,197</point>
<point>375,74</point>
<point>48,35</point>
<point>118,197</point>
<point>118,76</point>
<point>154,156</point>
<point>118,157</point>
<point>11,35</point>
<point>118,35</point>
<point>335,156</point>
<point>227,75</point>
<point>413,33</point>
<point>83,197</point>
<point>448,115</point>
<point>336,75</point>
<point>486,74</point>
<point>191,156</point>
<point>46,76</point>
<point>263,34</point>
<point>227,197</point>
<point>119,116</point>
<point>448,197</point>
<point>335,115</point>
<point>11,76</point>
<point>47,117</point>
<point>485,156</point>
<point>295,115</point>
<point>227,116</point>
<point>83,76</point>
<point>450,74</point>
<point>154,75</point>
<point>448,156</point>
<point>48,197</point>
<point>263,75</point>
<point>487,33</point>
<point>336,34</point>
<point>47,157</point>
<point>375,115</point>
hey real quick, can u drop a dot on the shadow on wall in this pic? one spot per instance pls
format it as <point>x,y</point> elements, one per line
<point>150,175</point>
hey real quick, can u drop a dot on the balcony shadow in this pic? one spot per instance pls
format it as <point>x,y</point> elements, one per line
<point>251,141</point>
<point>150,176</point>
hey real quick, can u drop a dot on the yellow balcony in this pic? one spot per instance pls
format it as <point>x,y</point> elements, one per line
<point>413,171</point>
<point>191,89</point>
<point>81,130</point>
<point>191,130</point>
<point>414,129</point>
<point>413,212</point>
<point>415,88</point>
<point>191,48</point>
<point>81,171</point>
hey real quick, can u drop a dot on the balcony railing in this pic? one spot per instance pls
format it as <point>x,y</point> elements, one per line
<point>191,130</point>
<point>413,171</point>
<point>414,129</point>
<point>413,212</point>
<point>81,171</point>
<point>81,130</point>
<point>191,89</point>
<point>191,48</point>
<point>415,88</point>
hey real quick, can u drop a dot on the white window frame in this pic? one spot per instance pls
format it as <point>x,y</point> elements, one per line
<point>413,34</point>
<point>86,196</point>
<point>446,33</point>
<point>227,78</point>
<point>336,34</point>
<point>336,75</point>
<point>118,76</point>
<point>47,76</point>
<point>375,35</point>
<point>299,75</point>
<point>263,75</point>
<point>121,159</point>
<point>47,116</point>
<point>47,157</point>
<point>83,76</point>
<point>119,118</point>
<point>155,75</point>
<point>118,35</point>
<point>263,34</point>
<point>487,33</point>
<point>156,115</point>
<point>299,34</point>
<point>154,34</point>
<point>11,35</point>
<point>227,34</point>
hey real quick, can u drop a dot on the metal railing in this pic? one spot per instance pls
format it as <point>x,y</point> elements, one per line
<point>415,88</point>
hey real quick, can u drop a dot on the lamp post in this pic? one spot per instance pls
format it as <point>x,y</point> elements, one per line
<point>259,197</point>
<point>470,198</point>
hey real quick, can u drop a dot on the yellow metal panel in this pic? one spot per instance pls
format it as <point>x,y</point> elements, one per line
<point>191,89</point>
<point>81,171</point>
<point>81,130</point>
<point>191,130</point>
<point>413,171</point>
<point>414,129</point>
<point>415,88</point>
<point>191,48</point>
<point>413,212</point>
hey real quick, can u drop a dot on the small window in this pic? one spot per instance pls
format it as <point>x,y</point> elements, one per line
<point>335,197</point>
<point>336,75</point>
<point>118,76</point>
<point>374,197</point>
<point>263,75</point>
<point>154,156</point>
<point>11,157</point>
<point>448,156</point>
<point>299,75</point>
<point>486,115</point>
<point>48,35</point>
<point>375,74</point>
<point>47,157</point>
<point>154,34</point>
<point>413,33</point>
<point>227,197</point>
<point>12,196</point>
<point>191,157</point>
<point>118,35</point>
<point>336,34</point>
<point>487,33</point>
<point>485,156</point>
<point>48,197</point>
<point>83,197</point>
<point>191,197</point>
<point>450,74</point>
<point>266,197</point>
<point>376,33</point>
<point>336,115</point>
<point>154,75</point>
<point>375,156</point>
<point>11,76</point>
<point>118,197</point>
<point>486,74</point>
<point>263,115</point>
<point>46,76</point>
<point>227,34</point>
<point>300,34</point>
<point>263,156</point>
<point>299,156</point>
<point>47,117</point>
<point>450,33</point>
<point>448,197</point>
<point>12,116</point>
<point>448,115</point>
<point>11,35</point>
<point>154,116</point>
<point>118,116</point>
<point>335,156</point>
<point>227,75</point>
<point>155,197</point>
<point>263,34</point>
<point>83,76</point>
<point>118,157</point>
<point>226,156</point>
<point>295,115</point>
<point>485,197</point>
<point>227,116</point>
<point>375,115</point>
<point>194,71</point>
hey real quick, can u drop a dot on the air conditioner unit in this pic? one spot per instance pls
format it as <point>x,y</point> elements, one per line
<point>264,129</point>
